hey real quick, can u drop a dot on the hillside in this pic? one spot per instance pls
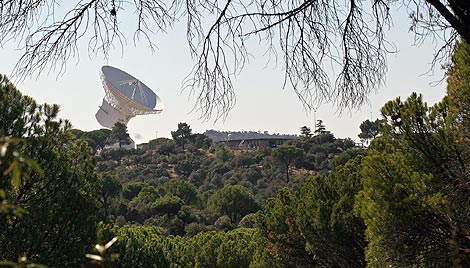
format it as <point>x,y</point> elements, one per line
<point>148,177</point>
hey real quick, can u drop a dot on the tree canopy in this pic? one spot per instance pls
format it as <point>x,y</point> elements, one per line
<point>287,155</point>
<point>369,129</point>
<point>235,201</point>
<point>306,131</point>
<point>119,134</point>
<point>401,202</point>
<point>60,202</point>
<point>182,134</point>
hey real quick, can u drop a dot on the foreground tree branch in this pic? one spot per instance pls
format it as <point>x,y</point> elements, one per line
<point>307,36</point>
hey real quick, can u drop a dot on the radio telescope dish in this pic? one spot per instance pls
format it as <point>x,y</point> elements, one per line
<point>125,97</point>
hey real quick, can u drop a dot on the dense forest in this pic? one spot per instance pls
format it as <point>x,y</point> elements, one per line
<point>315,201</point>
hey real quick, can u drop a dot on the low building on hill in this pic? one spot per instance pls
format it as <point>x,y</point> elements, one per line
<point>127,146</point>
<point>143,146</point>
<point>272,142</point>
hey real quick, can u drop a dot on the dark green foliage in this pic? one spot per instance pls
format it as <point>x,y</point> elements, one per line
<point>155,143</point>
<point>316,229</point>
<point>114,155</point>
<point>61,205</point>
<point>287,155</point>
<point>370,129</point>
<point>281,243</point>
<point>249,221</point>
<point>182,134</point>
<point>320,149</point>
<point>143,202</point>
<point>149,247</point>
<point>333,234</point>
<point>161,172</point>
<point>319,128</point>
<point>194,228</point>
<point>179,208</point>
<point>136,246</point>
<point>458,91</point>
<point>231,249</point>
<point>197,177</point>
<point>167,148</point>
<point>223,223</point>
<point>401,227</point>
<point>413,188</point>
<point>236,249</point>
<point>19,113</point>
<point>13,166</point>
<point>344,157</point>
<point>109,187</point>
<point>96,139</point>
<point>163,146</point>
<point>254,170</point>
<point>401,203</point>
<point>223,154</point>
<point>306,131</point>
<point>131,190</point>
<point>119,134</point>
<point>234,201</point>
<point>200,141</point>
<point>187,165</point>
<point>167,204</point>
<point>182,189</point>
<point>324,137</point>
<point>245,160</point>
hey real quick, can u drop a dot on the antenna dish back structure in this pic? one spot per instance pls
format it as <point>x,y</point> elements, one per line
<point>125,97</point>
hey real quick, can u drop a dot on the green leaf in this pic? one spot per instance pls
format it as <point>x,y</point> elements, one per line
<point>16,174</point>
<point>34,165</point>
<point>8,263</point>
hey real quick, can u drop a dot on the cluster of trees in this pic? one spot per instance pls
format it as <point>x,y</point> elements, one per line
<point>187,184</point>
<point>186,193</point>
<point>403,202</point>
<point>59,203</point>
<point>322,148</point>
<point>99,139</point>
<point>146,246</point>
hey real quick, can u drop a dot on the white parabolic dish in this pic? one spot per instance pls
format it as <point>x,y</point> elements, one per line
<point>125,97</point>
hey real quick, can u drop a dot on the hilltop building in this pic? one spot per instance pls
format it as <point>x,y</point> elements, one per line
<point>254,143</point>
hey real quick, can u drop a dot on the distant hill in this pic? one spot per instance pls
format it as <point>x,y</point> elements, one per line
<point>216,135</point>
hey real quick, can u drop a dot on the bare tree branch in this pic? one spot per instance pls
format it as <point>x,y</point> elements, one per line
<point>331,50</point>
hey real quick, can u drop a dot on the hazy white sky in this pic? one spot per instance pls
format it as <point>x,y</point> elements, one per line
<point>261,103</point>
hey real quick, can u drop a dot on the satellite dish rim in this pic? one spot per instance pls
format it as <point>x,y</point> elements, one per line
<point>123,99</point>
<point>109,85</point>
